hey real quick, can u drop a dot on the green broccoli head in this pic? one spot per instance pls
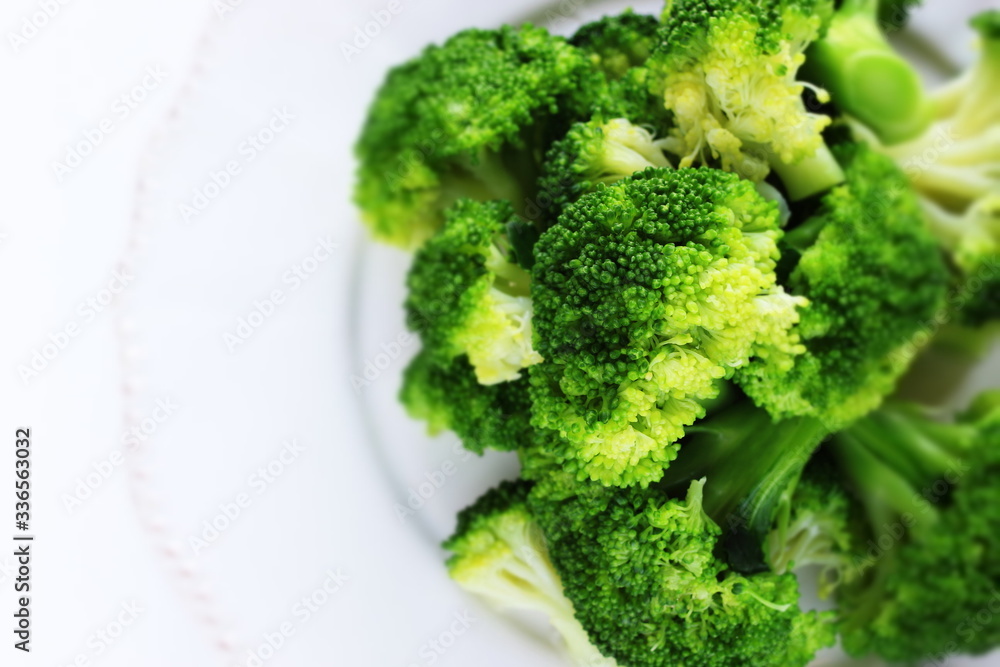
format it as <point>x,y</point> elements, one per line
<point>647,293</point>
<point>928,556</point>
<point>875,284</point>
<point>865,75</point>
<point>499,553</point>
<point>618,43</point>
<point>727,70</point>
<point>467,294</point>
<point>641,571</point>
<point>447,395</point>
<point>465,119</point>
<point>593,153</point>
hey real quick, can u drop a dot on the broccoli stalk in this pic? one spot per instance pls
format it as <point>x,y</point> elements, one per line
<point>810,175</point>
<point>866,77</point>
<point>499,553</point>
<point>953,167</point>
<point>925,560</point>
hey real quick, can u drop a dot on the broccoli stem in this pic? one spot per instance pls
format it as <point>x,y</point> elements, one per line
<point>866,77</point>
<point>811,176</point>
<point>913,445</point>
<point>888,497</point>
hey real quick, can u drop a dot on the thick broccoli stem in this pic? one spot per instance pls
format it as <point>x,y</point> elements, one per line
<point>752,465</point>
<point>866,77</point>
<point>961,172</point>
<point>811,176</point>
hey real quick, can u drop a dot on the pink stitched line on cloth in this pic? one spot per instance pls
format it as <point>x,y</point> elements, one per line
<point>191,585</point>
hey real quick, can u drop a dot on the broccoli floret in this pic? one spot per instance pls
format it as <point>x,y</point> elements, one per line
<point>470,118</point>
<point>866,77</point>
<point>727,69</point>
<point>618,43</point>
<point>468,295</point>
<point>447,396</point>
<point>928,558</point>
<point>875,283</point>
<point>641,570</point>
<point>647,293</point>
<point>500,554</point>
<point>593,153</point>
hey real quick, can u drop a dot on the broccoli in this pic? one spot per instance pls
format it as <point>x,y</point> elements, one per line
<point>727,70</point>
<point>500,554</point>
<point>616,44</point>
<point>642,572</point>
<point>927,562</point>
<point>875,283</point>
<point>593,153</point>
<point>447,396</point>
<point>471,118</point>
<point>467,294</point>
<point>647,293</point>
<point>866,77</point>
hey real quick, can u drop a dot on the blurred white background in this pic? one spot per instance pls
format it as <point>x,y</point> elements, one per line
<point>166,171</point>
